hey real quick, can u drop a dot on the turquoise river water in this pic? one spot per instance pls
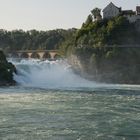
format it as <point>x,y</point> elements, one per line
<point>52,103</point>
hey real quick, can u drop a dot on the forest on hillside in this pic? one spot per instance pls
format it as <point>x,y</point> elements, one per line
<point>117,31</point>
<point>33,39</point>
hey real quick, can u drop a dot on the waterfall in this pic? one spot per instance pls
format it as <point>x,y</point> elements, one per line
<point>48,74</point>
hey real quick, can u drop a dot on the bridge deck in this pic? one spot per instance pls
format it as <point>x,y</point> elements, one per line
<point>36,51</point>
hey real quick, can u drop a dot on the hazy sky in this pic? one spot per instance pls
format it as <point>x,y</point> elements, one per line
<point>51,14</point>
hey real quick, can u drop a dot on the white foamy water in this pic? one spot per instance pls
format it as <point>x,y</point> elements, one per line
<point>56,75</point>
<point>48,74</point>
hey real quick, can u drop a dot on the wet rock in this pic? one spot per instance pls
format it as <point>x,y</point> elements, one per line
<point>7,70</point>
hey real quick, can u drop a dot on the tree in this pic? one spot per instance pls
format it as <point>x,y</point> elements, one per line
<point>88,20</point>
<point>96,12</point>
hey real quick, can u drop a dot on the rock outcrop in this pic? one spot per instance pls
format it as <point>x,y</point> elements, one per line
<point>7,70</point>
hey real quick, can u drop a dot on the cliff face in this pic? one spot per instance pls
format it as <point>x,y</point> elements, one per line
<point>6,71</point>
<point>109,65</point>
<point>79,67</point>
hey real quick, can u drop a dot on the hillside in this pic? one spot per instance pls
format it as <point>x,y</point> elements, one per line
<point>107,50</point>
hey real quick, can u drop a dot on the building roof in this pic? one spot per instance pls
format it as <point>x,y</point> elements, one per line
<point>119,8</point>
<point>128,12</point>
<point>138,9</point>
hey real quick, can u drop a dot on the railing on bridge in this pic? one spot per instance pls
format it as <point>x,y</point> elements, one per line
<point>32,51</point>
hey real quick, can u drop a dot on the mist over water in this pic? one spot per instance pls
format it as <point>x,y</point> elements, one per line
<point>48,74</point>
<point>56,75</point>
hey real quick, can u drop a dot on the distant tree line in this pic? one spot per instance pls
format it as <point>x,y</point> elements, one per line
<point>33,39</point>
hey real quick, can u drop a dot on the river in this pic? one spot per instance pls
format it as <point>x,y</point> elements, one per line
<point>50,102</point>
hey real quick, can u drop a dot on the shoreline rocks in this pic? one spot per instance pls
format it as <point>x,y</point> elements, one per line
<point>7,70</point>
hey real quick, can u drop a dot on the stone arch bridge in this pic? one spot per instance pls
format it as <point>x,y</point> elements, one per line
<point>36,54</point>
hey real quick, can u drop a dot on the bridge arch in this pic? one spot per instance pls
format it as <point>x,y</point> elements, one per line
<point>14,55</point>
<point>35,55</point>
<point>24,55</point>
<point>57,56</point>
<point>46,55</point>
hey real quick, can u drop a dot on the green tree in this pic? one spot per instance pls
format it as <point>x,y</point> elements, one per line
<point>89,20</point>
<point>96,13</point>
